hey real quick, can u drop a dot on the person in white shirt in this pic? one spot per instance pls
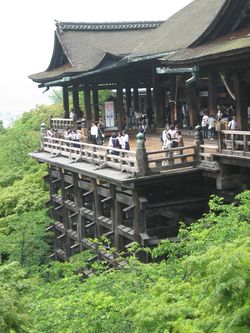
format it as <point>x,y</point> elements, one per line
<point>204,125</point>
<point>232,125</point>
<point>93,133</point>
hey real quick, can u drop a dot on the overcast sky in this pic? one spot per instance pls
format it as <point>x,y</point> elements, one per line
<point>27,37</point>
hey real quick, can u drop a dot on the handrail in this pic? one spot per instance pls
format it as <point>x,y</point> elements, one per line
<point>62,123</point>
<point>172,158</point>
<point>119,159</point>
<point>102,156</point>
<point>234,142</point>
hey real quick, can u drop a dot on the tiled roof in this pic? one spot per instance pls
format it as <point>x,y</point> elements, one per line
<point>229,44</point>
<point>86,49</point>
<point>182,29</point>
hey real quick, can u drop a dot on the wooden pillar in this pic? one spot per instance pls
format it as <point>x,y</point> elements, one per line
<point>65,215</point>
<point>95,103</point>
<point>192,105</point>
<point>136,99</point>
<point>87,106</point>
<point>157,100</point>
<point>79,204</point>
<point>128,100</point>
<point>119,107</point>
<point>212,93</point>
<point>76,102</point>
<point>149,106</point>
<point>241,104</point>
<point>117,218</point>
<point>140,221</point>
<point>94,207</point>
<point>66,102</point>
<point>172,104</point>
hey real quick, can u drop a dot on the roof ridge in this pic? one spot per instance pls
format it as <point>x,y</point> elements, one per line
<point>97,26</point>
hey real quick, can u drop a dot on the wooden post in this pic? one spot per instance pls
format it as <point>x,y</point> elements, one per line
<point>65,216</point>
<point>119,107</point>
<point>76,102</point>
<point>172,90</point>
<point>212,93</point>
<point>135,99</point>
<point>149,106</point>
<point>157,100</point>
<point>95,103</point>
<point>79,204</point>
<point>66,102</point>
<point>128,105</point>
<point>192,105</point>
<point>95,207</point>
<point>141,156</point>
<point>241,103</point>
<point>87,106</point>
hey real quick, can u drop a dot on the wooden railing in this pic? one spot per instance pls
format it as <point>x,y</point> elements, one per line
<point>119,159</point>
<point>101,156</point>
<point>62,123</point>
<point>234,143</point>
<point>173,158</point>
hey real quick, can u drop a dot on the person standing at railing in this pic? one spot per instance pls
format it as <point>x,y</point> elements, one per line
<point>93,133</point>
<point>211,127</point>
<point>100,137</point>
<point>125,137</point>
<point>204,125</point>
<point>232,125</point>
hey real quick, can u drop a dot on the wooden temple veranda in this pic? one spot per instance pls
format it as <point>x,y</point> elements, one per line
<point>142,194</point>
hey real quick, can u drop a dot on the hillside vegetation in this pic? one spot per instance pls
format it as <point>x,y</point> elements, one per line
<point>199,285</point>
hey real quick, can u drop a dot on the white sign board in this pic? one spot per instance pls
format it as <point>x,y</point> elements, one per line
<point>109,114</point>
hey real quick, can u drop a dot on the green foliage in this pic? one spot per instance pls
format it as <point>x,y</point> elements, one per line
<point>26,239</point>
<point>13,305</point>
<point>201,284</point>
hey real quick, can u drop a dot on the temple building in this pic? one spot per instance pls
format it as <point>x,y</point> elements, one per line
<point>194,63</point>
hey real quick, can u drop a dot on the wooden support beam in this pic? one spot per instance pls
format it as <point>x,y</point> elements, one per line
<point>95,103</point>
<point>119,107</point>
<point>66,102</point>
<point>212,93</point>
<point>241,104</point>
<point>87,105</point>
<point>76,101</point>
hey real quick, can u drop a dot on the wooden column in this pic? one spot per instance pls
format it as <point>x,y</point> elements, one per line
<point>94,207</point>
<point>172,90</point>
<point>119,107</point>
<point>65,215</point>
<point>212,93</point>
<point>66,102</point>
<point>128,101</point>
<point>241,92</point>
<point>136,99</point>
<point>87,106</point>
<point>117,218</point>
<point>157,100</point>
<point>149,106</point>
<point>192,105</point>
<point>79,204</point>
<point>76,102</point>
<point>95,103</point>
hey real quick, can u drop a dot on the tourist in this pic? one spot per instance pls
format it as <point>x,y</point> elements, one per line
<point>211,127</point>
<point>125,140</point>
<point>204,125</point>
<point>100,137</point>
<point>232,125</point>
<point>114,142</point>
<point>93,133</point>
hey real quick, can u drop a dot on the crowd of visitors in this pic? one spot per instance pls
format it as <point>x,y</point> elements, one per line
<point>224,115</point>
